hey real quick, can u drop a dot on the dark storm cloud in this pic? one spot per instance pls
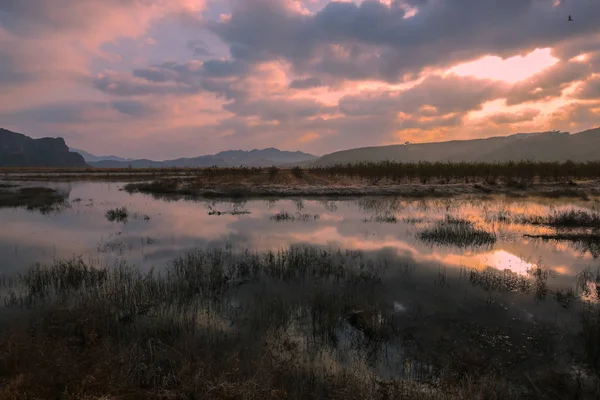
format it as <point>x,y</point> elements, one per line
<point>373,40</point>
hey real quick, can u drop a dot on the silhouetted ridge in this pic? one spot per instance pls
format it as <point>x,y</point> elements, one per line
<point>18,150</point>
<point>539,146</point>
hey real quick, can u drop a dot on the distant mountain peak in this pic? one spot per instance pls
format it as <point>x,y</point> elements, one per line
<point>228,158</point>
<point>88,157</point>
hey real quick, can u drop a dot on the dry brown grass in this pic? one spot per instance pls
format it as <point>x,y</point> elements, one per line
<point>308,183</point>
<point>219,325</point>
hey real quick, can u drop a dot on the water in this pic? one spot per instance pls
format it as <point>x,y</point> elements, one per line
<point>424,297</point>
<point>388,225</point>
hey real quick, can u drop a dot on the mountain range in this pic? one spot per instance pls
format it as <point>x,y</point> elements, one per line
<point>230,158</point>
<point>539,146</point>
<point>90,158</point>
<point>18,150</point>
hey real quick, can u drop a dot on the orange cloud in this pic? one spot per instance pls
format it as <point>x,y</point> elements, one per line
<point>308,137</point>
<point>291,73</point>
<point>509,70</point>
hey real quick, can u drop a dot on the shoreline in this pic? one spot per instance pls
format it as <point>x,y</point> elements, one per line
<point>582,191</point>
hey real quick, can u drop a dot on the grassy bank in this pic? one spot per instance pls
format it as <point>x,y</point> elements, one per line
<point>311,186</point>
<point>387,178</point>
<point>554,180</point>
<point>299,323</point>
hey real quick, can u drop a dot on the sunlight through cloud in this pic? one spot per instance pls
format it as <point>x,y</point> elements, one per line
<point>510,70</point>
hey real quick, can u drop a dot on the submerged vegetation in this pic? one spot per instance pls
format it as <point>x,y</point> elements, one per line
<point>581,228</point>
<point>457,232</point>
<point>302,322</point>
<point>285,216</point>
<point>119,214</point>
<point>122,214</point>
<point>567,219</point>
<point>39,199</point>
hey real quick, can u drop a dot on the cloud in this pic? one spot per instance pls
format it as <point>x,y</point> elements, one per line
<point>199,48</point>
<point>46,40</point>
<point>119,84</point>
<point>175,78</point>
<point>549,83</point>
<point>575,116</point>
<point>88,21</point>
<point>26,60</point>
<point>310,75</point>
<point>306,83</point>
<point>504,118</point>
<point>81,112</point>
<point>134,108</point>
<point>444,94</point>
<point>373,40</point>
<point>279,109</point>
<point>590,89</point>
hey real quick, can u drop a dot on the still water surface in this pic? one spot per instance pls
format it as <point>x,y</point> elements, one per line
<point>390,225</point>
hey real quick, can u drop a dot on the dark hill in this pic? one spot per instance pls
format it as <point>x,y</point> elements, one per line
<point>18,150</point>
<point>542,146</point>
<point>229,158</point>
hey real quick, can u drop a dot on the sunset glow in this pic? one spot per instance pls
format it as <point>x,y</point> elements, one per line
<point>345,199</point>
<point>509,70</point>
<point>292,74</point>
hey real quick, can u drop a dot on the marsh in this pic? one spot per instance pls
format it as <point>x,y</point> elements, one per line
<point>352,297</point>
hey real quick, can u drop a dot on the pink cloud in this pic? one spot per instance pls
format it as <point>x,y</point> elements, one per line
<point>310,75</point>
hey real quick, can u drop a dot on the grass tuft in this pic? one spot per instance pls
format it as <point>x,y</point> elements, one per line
<point>457,232</point>
<point>285,216</point>
<point>567,219</point>
<point>119,214</point>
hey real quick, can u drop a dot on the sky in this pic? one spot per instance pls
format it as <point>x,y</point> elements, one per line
<point>164,79</point>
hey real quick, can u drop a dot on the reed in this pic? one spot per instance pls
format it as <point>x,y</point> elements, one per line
<point>457,232</point>
<point>301,322</point>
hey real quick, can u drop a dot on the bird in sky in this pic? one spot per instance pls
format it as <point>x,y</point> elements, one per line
<point>570,19</point>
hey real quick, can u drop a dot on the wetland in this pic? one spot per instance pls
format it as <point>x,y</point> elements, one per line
<point>115,291</point>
